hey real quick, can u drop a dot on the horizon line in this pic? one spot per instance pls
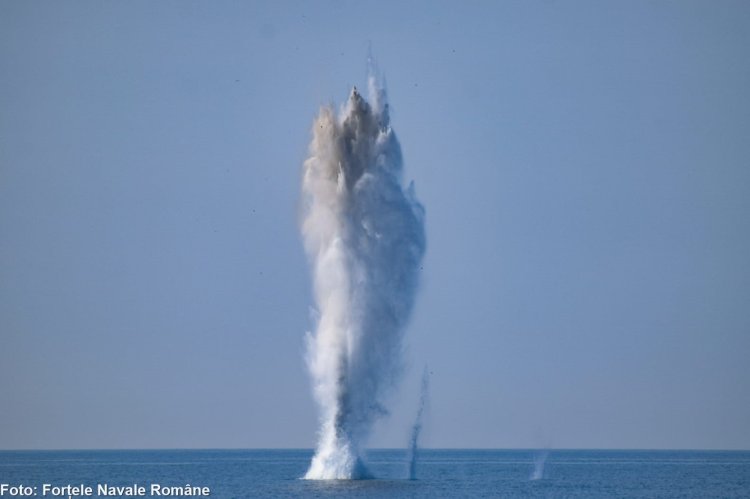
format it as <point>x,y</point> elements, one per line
<point>312,449</point>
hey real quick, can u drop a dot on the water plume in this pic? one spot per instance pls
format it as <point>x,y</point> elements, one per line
<point>416,429</point>
<point>364,234</point>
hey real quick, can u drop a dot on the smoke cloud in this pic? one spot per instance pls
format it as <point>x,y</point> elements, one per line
<point>364,234</point>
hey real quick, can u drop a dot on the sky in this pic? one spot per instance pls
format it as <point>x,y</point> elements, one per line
<point>583,167</point>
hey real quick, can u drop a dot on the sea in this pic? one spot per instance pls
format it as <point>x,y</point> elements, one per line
<point>439,473</point>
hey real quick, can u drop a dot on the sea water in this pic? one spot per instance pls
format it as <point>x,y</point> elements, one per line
<point>439,473</point>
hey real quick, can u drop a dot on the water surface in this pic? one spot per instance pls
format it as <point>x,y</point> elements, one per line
<point>440,473</point>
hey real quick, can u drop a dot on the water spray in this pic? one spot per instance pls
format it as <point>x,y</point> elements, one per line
<point>416,429</point>
<point>540,459</point>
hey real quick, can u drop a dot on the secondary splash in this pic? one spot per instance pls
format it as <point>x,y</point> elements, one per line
<point>540,459</point>
<point>364,234</point>
<point>417,428</point>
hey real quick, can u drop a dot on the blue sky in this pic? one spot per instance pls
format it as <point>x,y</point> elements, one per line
<point>584,169</point>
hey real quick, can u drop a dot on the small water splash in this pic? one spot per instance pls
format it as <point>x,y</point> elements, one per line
<point>540,459</point>
<point>417,428</point>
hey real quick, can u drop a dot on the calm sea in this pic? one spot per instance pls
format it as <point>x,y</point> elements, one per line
<point>440,473</point>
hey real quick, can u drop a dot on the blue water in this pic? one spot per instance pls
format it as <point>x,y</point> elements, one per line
<point>440,473</point>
